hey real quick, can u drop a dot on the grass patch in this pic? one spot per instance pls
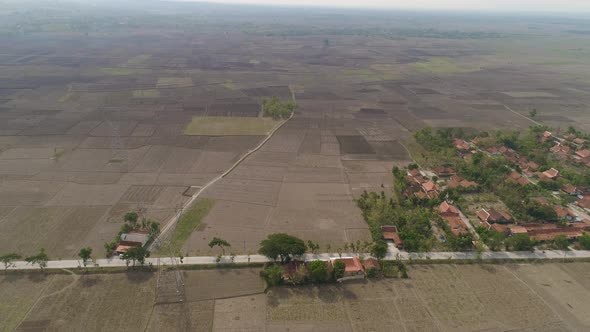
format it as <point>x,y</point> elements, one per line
<point>529,94</point>
<point>440,65</point>
<point>229,84</point>
<point>222,126</point>
<point>120,71</point>
<point>139,59</point>
<point>188,222</point>
<point>174,82</point>
<point>149,93</point>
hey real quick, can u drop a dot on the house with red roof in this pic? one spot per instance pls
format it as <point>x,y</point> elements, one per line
<point>565,214</point>
<point>571,190</point>
<point>583,153</point>
<point>447,210</point>
<point>452,216</point>
<point>390,233</point>
<point>550,174</point>
<point>461,145</point>
<point>517,178</point>
<point>493,216</point>
<point>584,203</point>
<point>442,171</point>
<point>353,266</point>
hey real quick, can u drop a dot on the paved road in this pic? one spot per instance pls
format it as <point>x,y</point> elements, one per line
<point>392,255</point>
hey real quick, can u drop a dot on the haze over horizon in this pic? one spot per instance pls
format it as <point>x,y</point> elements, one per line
<point>483,5</point>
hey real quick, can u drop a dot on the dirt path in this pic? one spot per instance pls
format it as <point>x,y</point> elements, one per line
<point>523,116</point>
<point>41,297</point>
<point>172,221</point>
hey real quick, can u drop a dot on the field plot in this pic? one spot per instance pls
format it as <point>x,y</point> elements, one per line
<point>436,298</point>
<point>83,303</point>
<point>27,229</point>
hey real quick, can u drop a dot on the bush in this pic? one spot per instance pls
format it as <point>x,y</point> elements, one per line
<point>318,272</point>
<point>372,272</point>
<point>584,241</point>
<point>339,269</point>
<point>273,275</point>
<point>379,249</point>
<point>519,242</point>
<point>390,271</point>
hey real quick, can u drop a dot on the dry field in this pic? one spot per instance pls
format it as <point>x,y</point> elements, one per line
<point>100,118</point>
<point>541,297</point>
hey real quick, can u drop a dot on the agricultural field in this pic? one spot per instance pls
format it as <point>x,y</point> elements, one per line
<point>138,103</point>
<point>438,297</point>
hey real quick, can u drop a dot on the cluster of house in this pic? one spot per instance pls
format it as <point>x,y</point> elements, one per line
<point>570,147</point>
<point>355,268</point>
<point>136,238</point>
<point>452,216</point>
<point>502,221</point>
<point>528,167</point>
<point>582,195</point>
<point>420,185</point>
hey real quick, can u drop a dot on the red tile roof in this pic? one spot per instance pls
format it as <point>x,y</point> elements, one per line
<point>443,171</point>
<point>583,153</point>
<point>584,202</point>
<point>353,264</point>
<point>551,173</point>
<point>391,233</point>
<point>371,263</point>
<point>429,186</point>
<point>447,209</point>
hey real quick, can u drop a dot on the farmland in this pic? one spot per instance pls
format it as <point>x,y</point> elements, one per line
<point>139,103</point>
<point>538,297</point>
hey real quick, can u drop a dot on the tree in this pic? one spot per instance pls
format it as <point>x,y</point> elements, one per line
<point>282,246</point>
<point>40,259</point>
<point>584,241</point>
<point>519,242</point>
<point>379,249</point>
<point>8,260</point>
<point>317,272</point>
<point>339,269</point>
<point>221,243</point>
<point>533,113</point>
<point>313,247</point>
<point>277,109</point>
<point>85,254</point>
<point>273,275</point>
<point>131,218</point>
<point>136,254</point>
<point>461,242</point>
<point>560,242</point>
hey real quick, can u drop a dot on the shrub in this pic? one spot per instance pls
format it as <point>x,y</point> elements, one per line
<point>372,272</point>
<point>339,268</point>
<point>318,272</point>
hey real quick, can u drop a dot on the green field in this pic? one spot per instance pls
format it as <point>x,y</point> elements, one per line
<point>188,222</point>
<point>149,93</point>
<point>440,65</point>
<point>224,126</point>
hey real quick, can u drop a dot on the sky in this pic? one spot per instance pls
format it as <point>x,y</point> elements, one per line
<point>485,5</point>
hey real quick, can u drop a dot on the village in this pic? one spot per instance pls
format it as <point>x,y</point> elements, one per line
<point>553,209</point>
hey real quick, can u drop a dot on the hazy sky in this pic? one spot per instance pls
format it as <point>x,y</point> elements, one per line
<point>500,5</point>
